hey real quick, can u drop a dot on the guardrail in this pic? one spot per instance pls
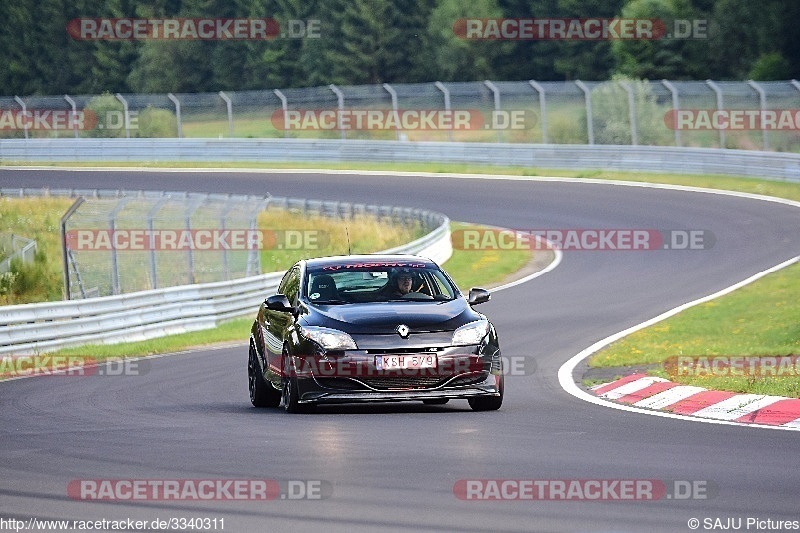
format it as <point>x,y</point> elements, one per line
<point>32,328</point>
<point>771,165</point>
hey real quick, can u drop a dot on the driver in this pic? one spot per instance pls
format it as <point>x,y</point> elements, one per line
<point>400,284</point>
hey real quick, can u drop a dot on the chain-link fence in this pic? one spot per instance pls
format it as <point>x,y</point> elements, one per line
<point>15,247</point>
<point>148,240</point>
<point>741,114</point>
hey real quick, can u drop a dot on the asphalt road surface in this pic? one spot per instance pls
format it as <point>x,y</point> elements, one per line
<point>398,467</point>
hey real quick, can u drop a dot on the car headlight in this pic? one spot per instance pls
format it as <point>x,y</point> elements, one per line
<point>330,339</point>
<point>471,333</point>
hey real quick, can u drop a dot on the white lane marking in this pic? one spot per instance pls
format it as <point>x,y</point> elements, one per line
<point>737,406</point>
<point>669,396</point>
<point>566,370</point>
<point>631,387</point>
<point>795,424</point>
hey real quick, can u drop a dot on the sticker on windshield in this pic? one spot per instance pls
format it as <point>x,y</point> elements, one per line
<point>314,295</point>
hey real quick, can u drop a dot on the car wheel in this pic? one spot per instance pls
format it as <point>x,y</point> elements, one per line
<point>261,393</point>
<point>488,403</point>
<point>291,394</point>
<point>436,401</point>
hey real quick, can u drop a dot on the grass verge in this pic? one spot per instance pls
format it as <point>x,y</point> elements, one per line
<point>760,319</point>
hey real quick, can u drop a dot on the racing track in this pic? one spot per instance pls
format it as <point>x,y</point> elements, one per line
<point>393,467</point>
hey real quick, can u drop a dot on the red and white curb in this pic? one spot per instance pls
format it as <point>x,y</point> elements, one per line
<point>656,393</point>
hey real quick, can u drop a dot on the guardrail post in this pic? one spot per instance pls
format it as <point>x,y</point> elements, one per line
<point>340,99</point>
<point>74,106</point>
<point>285,107</point>
<point>631,112</point>
<point>229,106</point>
<point>589,122</point>
<point>393,94</point>
<point>446,93</point>
<point>762,101</point>
<point>675,108</point>
<point>542,108</point>
<point>126,115</point>
<point>177,113</point>
<point>718,92</point>
<point>24,114</point>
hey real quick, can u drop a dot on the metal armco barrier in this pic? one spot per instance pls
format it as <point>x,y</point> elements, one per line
<point>771,165</point>
<point>42,327</point>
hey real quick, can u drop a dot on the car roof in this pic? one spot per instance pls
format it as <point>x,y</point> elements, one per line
<point>387,260</point>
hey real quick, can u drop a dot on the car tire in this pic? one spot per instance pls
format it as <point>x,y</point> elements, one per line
<point>262,394</point>
<point>489,403</point>
<point>436,401</point>
<point>291,395</point>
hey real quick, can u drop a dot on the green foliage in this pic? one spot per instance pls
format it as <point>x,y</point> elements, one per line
<point>158,123</point>
<point>376,41</point>
<point>611,114</point>
<point>770,66</point>
<point>110,114</point>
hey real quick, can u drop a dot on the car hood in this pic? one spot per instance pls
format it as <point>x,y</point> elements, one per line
<point>384,317</point>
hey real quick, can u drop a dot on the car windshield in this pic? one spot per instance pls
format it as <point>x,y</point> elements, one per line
<point>377,282</point>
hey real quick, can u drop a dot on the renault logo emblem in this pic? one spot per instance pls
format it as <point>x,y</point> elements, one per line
<point>402,330</point>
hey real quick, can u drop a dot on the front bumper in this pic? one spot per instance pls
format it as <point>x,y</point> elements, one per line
<point>350,377</point>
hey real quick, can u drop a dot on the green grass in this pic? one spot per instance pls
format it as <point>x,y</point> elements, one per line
<point>472,268</point>
<point>760,319</point>
<point>38,219</point>
<point>467,268</point>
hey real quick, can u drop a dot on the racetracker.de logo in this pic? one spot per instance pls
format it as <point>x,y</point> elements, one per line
<point>583,489</point>
<point>733,119</point>
<point>578,29</point>
<point>582,239</point>
<point>194,239</point>
<point>198,489</point>
<point>209,29</point>
<point>47,119</point>
<point>403,119</point>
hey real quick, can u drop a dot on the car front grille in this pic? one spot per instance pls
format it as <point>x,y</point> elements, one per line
<point>402,382</point>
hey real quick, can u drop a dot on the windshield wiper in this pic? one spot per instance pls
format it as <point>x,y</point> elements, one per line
<point>330,302</point>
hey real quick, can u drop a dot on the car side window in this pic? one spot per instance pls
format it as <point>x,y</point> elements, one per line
<point>290,285</point>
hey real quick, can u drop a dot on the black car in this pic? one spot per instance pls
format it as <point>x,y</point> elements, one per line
<point>372,328</point>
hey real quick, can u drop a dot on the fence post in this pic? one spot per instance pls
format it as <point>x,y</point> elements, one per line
<point>631,112</point>
<point>542,108</point>
<point>24,113</point>
<point>177,113</point>
<point>446,93</point>
<point>675,108</point>
<point>285,107</point>
<point>393,94</point>
<point>229,106</point>
<point>112,222</point>
<point>71,102</point>
<point>340,99</point>
<point>762,101</point>
<point>126,115</point>
<point>589,123</point>
<point>492,87</point>
<point>718,92</point>
<point>151,227</point>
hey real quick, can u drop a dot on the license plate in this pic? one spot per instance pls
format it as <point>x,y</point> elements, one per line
<point>402,362</point>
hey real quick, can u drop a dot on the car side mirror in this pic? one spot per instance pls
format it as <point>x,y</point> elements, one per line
<point>478,296</point>
<point>279,302</point>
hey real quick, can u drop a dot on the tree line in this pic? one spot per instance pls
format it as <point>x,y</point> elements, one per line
<point>375,41</point>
